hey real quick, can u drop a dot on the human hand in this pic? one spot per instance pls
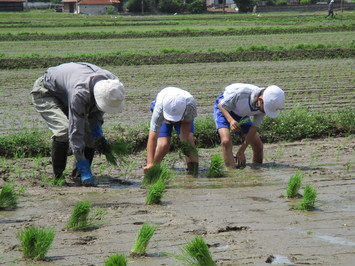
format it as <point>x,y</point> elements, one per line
<point>234,125</point>
<point>102,145</point>
<point>147,167</point>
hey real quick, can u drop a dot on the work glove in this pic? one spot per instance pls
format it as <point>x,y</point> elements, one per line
<point>87,178</point>
<point>101,144</point>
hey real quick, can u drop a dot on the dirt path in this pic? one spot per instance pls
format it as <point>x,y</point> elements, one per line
<point>244,217</point>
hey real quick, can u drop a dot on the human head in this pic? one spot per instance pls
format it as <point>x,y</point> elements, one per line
<point>274,99</point>
<point>109,95</point>
<point>174,106</point>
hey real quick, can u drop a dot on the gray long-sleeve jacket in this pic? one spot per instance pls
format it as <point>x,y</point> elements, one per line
<point>73,83</point>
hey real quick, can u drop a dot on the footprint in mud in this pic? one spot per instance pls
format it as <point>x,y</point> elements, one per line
<point>86,240</point>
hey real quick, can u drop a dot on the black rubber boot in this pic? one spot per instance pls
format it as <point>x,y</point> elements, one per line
<point>192,168</point>
<point>89,155</point>
<point>59,158</point>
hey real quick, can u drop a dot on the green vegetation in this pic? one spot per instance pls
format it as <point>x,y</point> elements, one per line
<point>116,260</point>
<point>156,192</point>
<point>196,253</point>
<point>296,124</point>
<point>80,220</point>
<point>308,200</point>
<point>157,172</point>
<point>36,241</point>
<point>8,196</point>
<point>187,149</point>
<point>142,240</point>
<point>217,168</point>
<point>294,185</point>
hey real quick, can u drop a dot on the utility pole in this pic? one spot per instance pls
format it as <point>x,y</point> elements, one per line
<point>142,7</point>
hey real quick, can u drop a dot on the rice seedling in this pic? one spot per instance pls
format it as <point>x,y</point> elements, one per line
<point>36,241</point>
<point>196,253</point>
<point>308,200</point>
<point>158,171</point>
<point>187,149</point>
<point>116,260</point>
<point>8,196</point>
<point>294,185</point>
<point>113,151</point>
<point>80,220</point>
<point>217,168</point>
<point>142,240</point>
<point>156,192</point>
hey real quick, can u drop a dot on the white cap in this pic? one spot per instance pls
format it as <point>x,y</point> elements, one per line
<point>109,95</point>
<point>174,106</point>
<point>274,99</point>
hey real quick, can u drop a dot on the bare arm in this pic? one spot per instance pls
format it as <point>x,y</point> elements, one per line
<point>233,124</point>
<point>241,152</point>
<point>151,146</point>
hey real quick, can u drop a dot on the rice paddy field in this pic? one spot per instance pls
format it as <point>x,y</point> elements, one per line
<point>244,217</point>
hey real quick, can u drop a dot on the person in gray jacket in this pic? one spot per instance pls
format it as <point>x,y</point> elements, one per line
<point>72,98</point>
<point>330,9</point>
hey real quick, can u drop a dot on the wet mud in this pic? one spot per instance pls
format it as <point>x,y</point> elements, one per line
<point>245,217</point>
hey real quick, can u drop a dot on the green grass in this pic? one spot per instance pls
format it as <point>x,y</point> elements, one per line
<point>294,185</point>
<point>308,200</point>
<point>116,260</point>
<point>197,253</point>
<point>36,241</point>
<point>8,196</point>
<point>156,192</point>
<point>142,240</point>
<point>80,219</point>
<point>217,168</point>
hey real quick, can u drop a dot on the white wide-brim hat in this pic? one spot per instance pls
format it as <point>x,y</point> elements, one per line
<point>174,106</point>
<point>274,100</point>
<point>109,95</point>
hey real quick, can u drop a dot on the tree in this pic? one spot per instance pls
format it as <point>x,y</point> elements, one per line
<point>245,6</point>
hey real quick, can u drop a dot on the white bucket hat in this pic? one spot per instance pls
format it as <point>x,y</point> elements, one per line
<point>274,99</point>
<point>174,106</point>
<point>109,95</point>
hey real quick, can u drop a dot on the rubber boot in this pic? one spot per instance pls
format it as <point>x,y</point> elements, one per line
<point>89,155</point>
<point>192,168</point>
<point>59,158</point>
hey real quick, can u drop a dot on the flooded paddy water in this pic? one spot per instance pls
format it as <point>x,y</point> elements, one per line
<point>245,217</point>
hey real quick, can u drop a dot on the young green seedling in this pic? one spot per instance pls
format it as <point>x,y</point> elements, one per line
<point>217,168</point>
<point>294,185</point>
<point>157,172</point>
<point>308,200</point>
<point>142,240</point>
<point>8,196</point>
<point>36,241</point>
<point>80,220</point>
<point>116,260</point>
<point>155,193</point>
<point>196,253</point>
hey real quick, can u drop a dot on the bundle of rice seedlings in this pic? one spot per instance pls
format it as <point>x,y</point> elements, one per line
<point>157,172</point>
<point>294,185</point>
<point>155,193</point>
<point>80,220</point>
<point>187,149</point>
<point>36,241</point>
<point>196,253</point>
<point>217,168</point>
<point>113,151</point>
<point>308,200</point>
<point>8,196</point>
<point>116,260</point>
<point>142,240</point>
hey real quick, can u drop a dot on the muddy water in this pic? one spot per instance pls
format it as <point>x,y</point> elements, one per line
<point>244,217</point>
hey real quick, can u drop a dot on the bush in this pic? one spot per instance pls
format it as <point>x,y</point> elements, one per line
<point>281,2</point>
<point>171,6</point>
<point>136,6</point>
<point>197,7</point>
<point>305,2</point>
<point>245,6</point>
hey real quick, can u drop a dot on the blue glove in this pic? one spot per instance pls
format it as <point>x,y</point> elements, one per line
<point>85,172</point>
<point>96,131</point>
